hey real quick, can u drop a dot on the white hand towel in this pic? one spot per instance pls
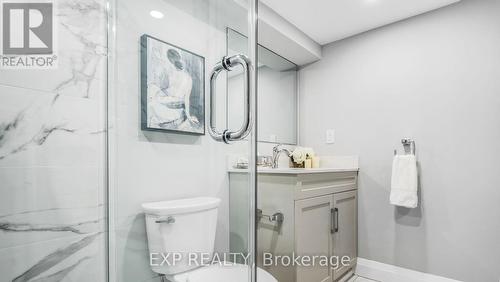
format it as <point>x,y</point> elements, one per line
<point>404,181</point>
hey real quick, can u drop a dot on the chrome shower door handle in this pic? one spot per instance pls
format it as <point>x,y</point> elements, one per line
<point>228,64</point>
<point>218,136</point>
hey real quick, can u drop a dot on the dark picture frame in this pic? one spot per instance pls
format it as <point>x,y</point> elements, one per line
<point>172,88</point>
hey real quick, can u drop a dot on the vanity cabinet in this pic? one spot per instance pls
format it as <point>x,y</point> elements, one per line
<point>320,219</point>
<point>345,233</point>
<point>312,235</point>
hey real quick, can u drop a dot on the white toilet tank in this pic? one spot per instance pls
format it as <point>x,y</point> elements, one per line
<point>180,230</point>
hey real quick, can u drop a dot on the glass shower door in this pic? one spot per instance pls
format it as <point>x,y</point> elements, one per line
<point>169,136</point>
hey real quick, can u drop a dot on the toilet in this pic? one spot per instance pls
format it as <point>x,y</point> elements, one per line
<point>181,237</point>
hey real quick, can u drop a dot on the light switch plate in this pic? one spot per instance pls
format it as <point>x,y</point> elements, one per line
<point>330,136</point>
<point>273,138</point>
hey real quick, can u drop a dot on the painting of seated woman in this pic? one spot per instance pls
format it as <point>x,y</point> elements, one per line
<point>172,86</point>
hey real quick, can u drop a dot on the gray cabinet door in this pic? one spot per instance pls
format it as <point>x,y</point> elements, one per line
<point>345,238</point>
<point>313,237</point>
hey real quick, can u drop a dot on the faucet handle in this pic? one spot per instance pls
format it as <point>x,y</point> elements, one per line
<point>277,147</point>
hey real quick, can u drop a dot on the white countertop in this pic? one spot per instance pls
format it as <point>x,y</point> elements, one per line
<point>266,170</point>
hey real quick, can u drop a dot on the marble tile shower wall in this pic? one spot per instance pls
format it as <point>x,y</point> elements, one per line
<point>52,122</point>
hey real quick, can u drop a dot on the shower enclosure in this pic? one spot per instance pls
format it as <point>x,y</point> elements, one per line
<point>133,112</point>
<point>169,135</point>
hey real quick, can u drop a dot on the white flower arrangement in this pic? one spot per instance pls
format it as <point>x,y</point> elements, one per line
<point>300,154</point>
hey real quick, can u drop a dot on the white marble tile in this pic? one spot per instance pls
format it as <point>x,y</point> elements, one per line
<point>42,203</point>
<point>51,156</point>
<point>81,49</point>
<point>79,258</point>
<point>43,129</point>
<point>51,166</point>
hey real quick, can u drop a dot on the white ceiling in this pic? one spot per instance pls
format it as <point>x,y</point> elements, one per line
<point>326,21</point>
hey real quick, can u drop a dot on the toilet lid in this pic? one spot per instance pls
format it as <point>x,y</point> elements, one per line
<point>222,273</point>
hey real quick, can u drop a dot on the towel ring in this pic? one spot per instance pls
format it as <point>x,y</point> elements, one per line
<point>408,146</point>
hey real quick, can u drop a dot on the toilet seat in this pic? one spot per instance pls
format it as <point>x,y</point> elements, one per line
<point>222,273</point>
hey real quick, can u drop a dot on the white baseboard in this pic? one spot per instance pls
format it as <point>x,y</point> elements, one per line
<point>389,273</point>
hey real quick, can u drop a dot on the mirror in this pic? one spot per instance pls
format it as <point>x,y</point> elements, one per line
<point>277,93</point>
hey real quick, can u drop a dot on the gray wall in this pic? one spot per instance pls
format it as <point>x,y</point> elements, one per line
<point>435,78</point>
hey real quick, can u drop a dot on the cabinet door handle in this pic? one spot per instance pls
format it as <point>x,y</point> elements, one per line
<point>332,221</point>
<point>336,210</point>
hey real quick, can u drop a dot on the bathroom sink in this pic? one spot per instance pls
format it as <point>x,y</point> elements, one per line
<point>286,170</point>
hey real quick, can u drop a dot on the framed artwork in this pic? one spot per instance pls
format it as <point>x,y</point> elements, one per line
<point>172,88</point>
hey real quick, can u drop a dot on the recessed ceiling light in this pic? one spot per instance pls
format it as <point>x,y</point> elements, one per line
<point>156,14</point>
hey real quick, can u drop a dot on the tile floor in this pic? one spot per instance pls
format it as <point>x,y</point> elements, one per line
<point>356,278</point>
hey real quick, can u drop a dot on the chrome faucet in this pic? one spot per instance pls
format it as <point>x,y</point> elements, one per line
<point>277,150</point>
